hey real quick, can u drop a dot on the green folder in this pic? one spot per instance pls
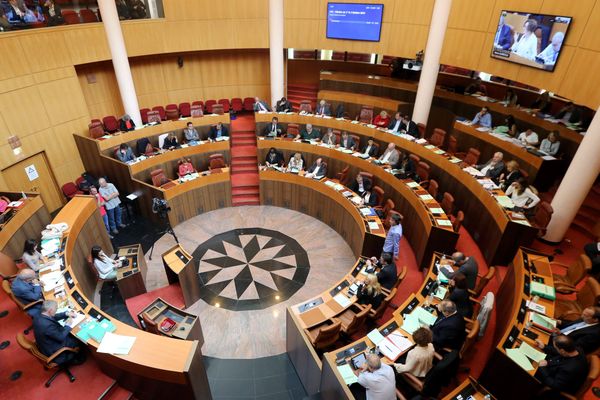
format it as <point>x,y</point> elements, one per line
<point>542,320</point>
<point>532,352</point>
<point>545,291</point>
<point>411,323</point>
<point>424,316</point>
<point>521,359</point>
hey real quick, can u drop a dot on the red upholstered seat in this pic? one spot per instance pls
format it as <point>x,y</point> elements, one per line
<point>217,109</point>
<point>172,112</point>
<point>96,129</point>
<point>196,111</point>
<point>87,16</point>
<point>69,189</point>
<point>438,137</point>
<point>71,17</point>
<point>185,109</point>
<point>144,115</point>
<point>111,124</point>
<point>225,104</point>
<point>305,106</point>
<point>208,106</point>
<point>237,104</point>
<point>366,114</point>
<point>161,112</point>
<point>249,104</point>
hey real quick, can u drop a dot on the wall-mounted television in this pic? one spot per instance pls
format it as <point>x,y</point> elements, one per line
<point>354,21</point>
<point>534,40</point>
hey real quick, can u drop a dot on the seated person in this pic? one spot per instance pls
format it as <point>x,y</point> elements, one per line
<point>369,198</point>
<point>122,10</point>
<point>510,175</point>
<point>273,129</point>
<point>185,167</point>
<point>483,118</point>
<point>390,156</point>
<point>283,105</point>
<point>449,328</point>
<point>510,122</point>
<point>50,336</point>
<point>31,256</point>
<point>476,87</point>
<point>171,142</point>
<point>329,138</point>
<point>466,266</point>
<point>377,379</point>
<point>347,141</point>
<point>309,133</point>
<point>4,22</point>
<point>106,266</point>
<point>369,292</point>
<point>126,124</point>
<point>569,113</point>
<point>53,13</point>
<point>406,168</point>
<point>318,170</point>
<point>542,104</point>
<point>359,184</point>
<point>274,158</point>
<point>323,109</point>
<point>125,153</point>
<point>459,294</point>
<point>410,127</point>
<point>522,196</point>
<point>137,9</point>
<point>550,145</point>
<point>510,98</point>
<point>143,147</point>
<point>549,55</point>
<point>592,250</point>
<point>190,134</point>
<point>218,131</point>
<point>296,163</point>
<point>493,168</point>
<point>529,138</point>
<point>419,360</point>
<point>397,124</point>
<point>260,105</point>
<point>27,289</point>
<point>382,120</point>
<point>17,13</point>
<point>564,372</point>
<point>585,332</point>
<point>370,149</point>
<point>387,275</point>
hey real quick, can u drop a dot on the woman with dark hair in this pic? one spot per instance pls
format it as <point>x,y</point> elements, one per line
<point>459,294</point>
<point>368,197</point>
<point>273,158</point>
<point>522,196</point>
<point>31,256</point>
<point>512,126</point>
<point>106,266</point>
<point>406,168</point>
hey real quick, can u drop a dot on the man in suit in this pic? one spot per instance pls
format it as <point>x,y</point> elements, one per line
<point>584,331</point>
<point>564,372</point>
<point>323,109</point>
<point>493,168</point>
<point>503,39</point>
<point>317,170</point>
<point>347,141</point>
<point>466,266</point>
<point>592,250</point>
<point>283,105</point>
<point>397,123</point>
<point>273,129</point>
<point>329,138</point>
<point>387,275</point>
<point>27,289</point>
<point>370,149</point>
<point>260,105</point>
<point>390,156</point>
<point>50,336</point>
<point>309,133</point>
<point>217,131</point>
<point>410,127</point>
<point>359,184</point>
<point>449,328</point>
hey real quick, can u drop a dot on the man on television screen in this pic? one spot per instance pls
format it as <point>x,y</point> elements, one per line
<point>549,55</point>
<point>503,39</point>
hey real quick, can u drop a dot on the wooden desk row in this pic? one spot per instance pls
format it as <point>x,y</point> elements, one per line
<point>497,233</point>
<point>156,366</point>
<point>353,103</point>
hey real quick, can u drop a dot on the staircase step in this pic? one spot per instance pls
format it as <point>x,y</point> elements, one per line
<point>589,212</point>
<point>244,170</point>
<point>245,135</point>
<point>252,159</point>
<point>243,151</point>
<point>243,142</point>
<point>244,161</point>
<point>244,180</point>
<point>251,200</point>
<point>245,191</point>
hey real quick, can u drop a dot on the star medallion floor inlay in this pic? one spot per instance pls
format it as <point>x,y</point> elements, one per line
<point>250,269</point>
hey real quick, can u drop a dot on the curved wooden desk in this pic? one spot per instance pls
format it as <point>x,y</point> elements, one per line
<point>498,235</point>
<point>353,103</point>
<point>421,227</point>
<point>157,366</point>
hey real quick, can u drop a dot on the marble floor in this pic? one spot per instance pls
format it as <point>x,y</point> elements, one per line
<point>257,332</point>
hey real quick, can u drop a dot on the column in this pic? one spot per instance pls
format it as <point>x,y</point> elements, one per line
<point>576,183</point>
<point>431,62</point>
<point>114,36</point>
<point>276,49</point>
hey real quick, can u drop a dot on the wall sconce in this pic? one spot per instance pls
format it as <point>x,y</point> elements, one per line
<point>15,144</point>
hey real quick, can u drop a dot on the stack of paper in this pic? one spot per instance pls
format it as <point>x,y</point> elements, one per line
<point>347,374</point>
<point>536,307</point>
<point>412,184</point>
<point>542,322</point>
<point>50,246</point>
<point>426,197</point>
<point>116,344</point>
<point>367,211</point>
<point>436,210</point>
<point>532,352</point>
<point>373,225</point>
<point>505,201</point>
<point>517,356</point>
<point>544,291</point>
<point>342,300</point>
<point>473,171</point>
<point>443,222</point>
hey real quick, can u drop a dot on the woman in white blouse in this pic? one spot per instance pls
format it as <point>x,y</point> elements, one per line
<point>106,266</point>
<point>296,163</point>
<point>31,256</point>
<point>527,44</point>
<point>521,195</point>
<point>529,138</point>
<point>420,359</point>
<point>550,145</point>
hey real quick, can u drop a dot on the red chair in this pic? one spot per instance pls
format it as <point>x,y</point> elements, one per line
<point>305,106</point>
<point>248,104</point>
<point>208,106</point>
<point>457,223</point>
<point>423,173</point>
<point>172,112</point>
<point>293,130</point>
<point>421,127</point>
<point>144,114</point>
<point>438,137</point>
<point>471,158</point>
<point>542,217</point>
<point>217,109</point>
<point>415,158</point>
<point>448,204</point>
<point>198,103</point>
<point>366,115</point>
<point>196,111</point>
<point>87,16</point>
<point>159,179</point>
<point>96,129</point>
<point>380,194</point>
<point>185,109</point>
<point>161,112</point>
<point>452,145</point>
<point>111,125</point>
<point>216,161</point>
<point>69,189</point>
<point>71,17</point>
<point>433,188</point>
<point>225,104</point>
<point>237,104</point>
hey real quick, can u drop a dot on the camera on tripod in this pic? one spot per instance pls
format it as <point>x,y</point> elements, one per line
<point>160,207</point>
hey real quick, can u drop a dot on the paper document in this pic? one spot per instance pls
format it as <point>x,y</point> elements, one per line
<point>473,171</point>
<point>75,321</point>
<point>400,341</point>
<point>375,336</point>
<point>542,321</point>
<point>330,183</point>
<point>116,344</point>
<point>367,211</point>
<point>411,323</point>
<point>373,225</point>
<point>536,307</point>
<point>532,352</point>
<point>342,300</point>
<point>455,160</point>
<point>426,197</point>
<point>389,349</point>
<point>443,222</point>
<point>436,210</point>
<point>517,356</point>
<point>15,204</point>
<point>424,316</point>
<point>356,200</point>
<point>505,201</point>
<point>440,293</point>
<point>412,184</point>
<point>347,374</point>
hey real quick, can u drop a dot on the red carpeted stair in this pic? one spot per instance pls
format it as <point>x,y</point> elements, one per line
<point>244,162</point>
<point>298,92</point>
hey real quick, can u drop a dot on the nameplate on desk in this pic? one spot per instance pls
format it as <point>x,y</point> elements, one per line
<point>427,287</point>
<point>389,329</point>
<point>358,267</point>
<point>410,307</point>
<point>181,256</point>
<point>511,339</point>
<point>69,280</point>
<point>80,300</point>
<point>522,311</point>
<point>311,304</point>
<point>338,288</point>
<point>526,285</point>
<point>96,315</point>
<point>357,348</point>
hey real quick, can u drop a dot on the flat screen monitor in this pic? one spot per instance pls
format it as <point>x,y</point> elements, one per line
<point>534,40</point>
<point>354,21</point>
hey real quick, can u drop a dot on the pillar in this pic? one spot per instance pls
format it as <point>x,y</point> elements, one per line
<point>431,62</point>
<point>576,183</point>
<point>276,49</point>
<point>114,36</point>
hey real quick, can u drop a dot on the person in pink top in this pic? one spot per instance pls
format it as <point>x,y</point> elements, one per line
<point>100,200</point>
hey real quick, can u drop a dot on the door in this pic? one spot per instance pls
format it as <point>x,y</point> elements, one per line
<point>33,174</point>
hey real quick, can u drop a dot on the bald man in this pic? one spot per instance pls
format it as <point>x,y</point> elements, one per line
<point>449,328</point>
<point>27,289</point>
<point>466,265</point>
<point>584,331</point>
<point>378,379</point>
<point>494,167</point>
<point>550,54</point>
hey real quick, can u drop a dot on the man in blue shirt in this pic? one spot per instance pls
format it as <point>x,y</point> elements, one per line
<point>27,290</point>
<point>483,118</point>
<point>392,240</point>
<point>218,131</point>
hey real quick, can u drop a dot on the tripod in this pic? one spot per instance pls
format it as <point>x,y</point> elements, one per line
<point>169,230</point>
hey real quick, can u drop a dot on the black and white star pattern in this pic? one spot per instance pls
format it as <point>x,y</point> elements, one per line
<point>250,269</point>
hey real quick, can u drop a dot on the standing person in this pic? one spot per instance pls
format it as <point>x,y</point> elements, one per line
<point>377,379</point>
<point>101,202</point>
<point>112,204</point>
<point>31,256</point>
<point>392,239</point>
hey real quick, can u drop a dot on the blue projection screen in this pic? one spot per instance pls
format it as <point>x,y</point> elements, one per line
<point>354,21</point>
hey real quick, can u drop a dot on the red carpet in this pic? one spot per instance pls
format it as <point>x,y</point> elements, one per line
<point>244,162</point>
<point>297,93</point>
<point>171,294</point>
